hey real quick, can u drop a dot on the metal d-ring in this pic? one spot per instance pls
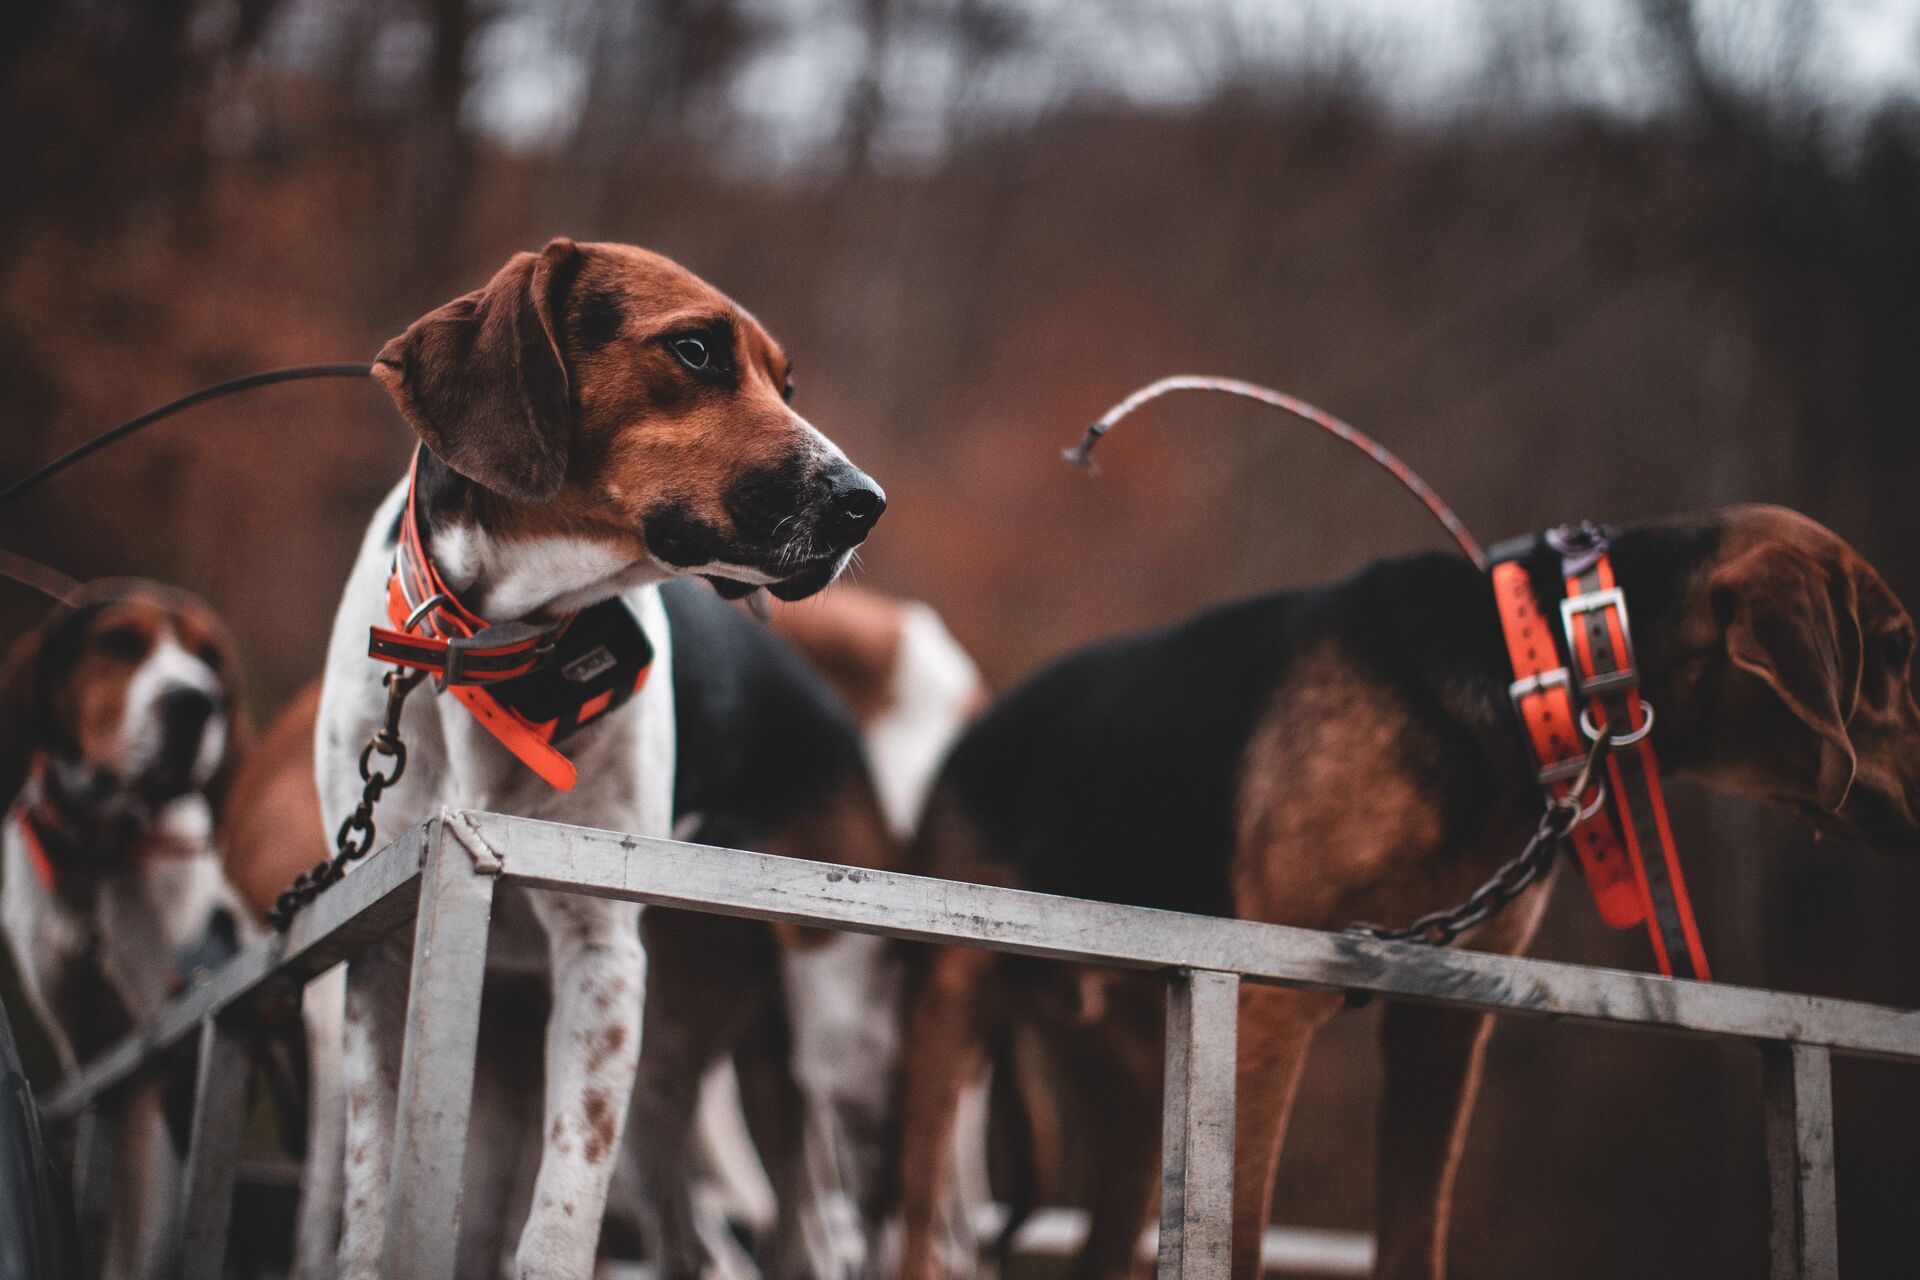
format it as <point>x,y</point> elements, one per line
<point>420,611</point>
<point>1623,739</point>
<point>1599,802</point>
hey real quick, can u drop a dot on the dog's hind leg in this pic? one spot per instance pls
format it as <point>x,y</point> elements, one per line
<point>706,977</point>
<point>1276,1028</point>
<point>1431,1058</point>
<point>842,998</point>
<point>775,1114</point>
<point>1115,1065</point>
<point>946,1043</point>
<point>592,1051</point>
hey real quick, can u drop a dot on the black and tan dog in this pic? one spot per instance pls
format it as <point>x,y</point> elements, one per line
<point>1350,753</point>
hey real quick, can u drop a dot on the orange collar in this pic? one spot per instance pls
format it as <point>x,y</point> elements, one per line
<point>492,668</point>
<point>41,824</point>
<point>33,818</point>
<point>22,818</point>
<point>36,819</point>
<point>1567,687</point>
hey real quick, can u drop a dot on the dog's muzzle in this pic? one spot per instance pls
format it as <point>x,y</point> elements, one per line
<point>809,580</point>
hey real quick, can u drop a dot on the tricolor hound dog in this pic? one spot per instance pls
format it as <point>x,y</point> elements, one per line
<point>768,757</point>
<point>122,726</point>
<point>1352,753</point>
<point>592,422</point>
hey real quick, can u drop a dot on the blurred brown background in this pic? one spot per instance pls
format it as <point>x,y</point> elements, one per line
<point>1610,259</point>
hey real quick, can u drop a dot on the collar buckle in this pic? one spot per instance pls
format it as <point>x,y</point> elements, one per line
<point>518,644</point>
<point>1549,771</point>
<point>1574,611</point>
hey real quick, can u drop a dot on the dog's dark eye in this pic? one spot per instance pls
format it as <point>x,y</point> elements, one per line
<point>210,654</point>
<point>128,643</point>
<point>693,351</point>
<point>786,392</point>
<point>1896,653</point>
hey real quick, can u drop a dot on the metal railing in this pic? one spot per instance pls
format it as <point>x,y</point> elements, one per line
<point>427,875</point>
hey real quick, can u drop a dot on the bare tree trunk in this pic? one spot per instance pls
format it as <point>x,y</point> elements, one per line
<point>868,105</point>
<point>440,168</point>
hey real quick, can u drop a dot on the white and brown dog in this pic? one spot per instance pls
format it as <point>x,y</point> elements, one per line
<point>767,757</point>
<point>121,729</point>
<point>594,421</point>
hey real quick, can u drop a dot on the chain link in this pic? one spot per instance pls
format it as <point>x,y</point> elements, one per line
<point>1562,815</point>
<point>355,838</point>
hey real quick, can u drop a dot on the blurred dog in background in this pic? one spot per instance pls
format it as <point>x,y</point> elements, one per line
<point>122,728</point>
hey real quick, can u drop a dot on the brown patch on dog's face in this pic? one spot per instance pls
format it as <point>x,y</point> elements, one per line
<point>607,393</point>
<point>1806,687</point>
<point>90,702</point>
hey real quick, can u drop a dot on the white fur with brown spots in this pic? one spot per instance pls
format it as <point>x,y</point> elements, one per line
<point>592,946</point>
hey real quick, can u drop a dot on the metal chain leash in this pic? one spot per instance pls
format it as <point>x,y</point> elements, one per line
<point>356,835</point>
<point>1562,815</point>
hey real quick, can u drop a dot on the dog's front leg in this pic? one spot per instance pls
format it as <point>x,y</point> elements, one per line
<point>375,1028</point>
<point>593,1049</point>
<point>947,1022</point>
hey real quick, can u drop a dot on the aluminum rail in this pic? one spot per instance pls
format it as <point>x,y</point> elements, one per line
<point>265,977</point>
<point>430,876</point>
<point>761,886</point>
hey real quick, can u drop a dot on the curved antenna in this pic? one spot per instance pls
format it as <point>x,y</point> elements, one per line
<point>44,578</point>
<point>1081,455</point>
<point>214,392</point>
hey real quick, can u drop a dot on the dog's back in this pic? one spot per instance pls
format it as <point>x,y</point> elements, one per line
<point>762,742</point>
<point>1117,772</point>
<point>907,680</point>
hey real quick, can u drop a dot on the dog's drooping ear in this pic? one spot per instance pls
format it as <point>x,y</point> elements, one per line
<point>21,718</point>
<point>1790,623</point>
<point>239,719</point>
<point>483,380</point>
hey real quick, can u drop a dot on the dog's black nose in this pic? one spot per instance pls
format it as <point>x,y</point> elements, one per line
<point>854,503</point>
<point>183,711</point>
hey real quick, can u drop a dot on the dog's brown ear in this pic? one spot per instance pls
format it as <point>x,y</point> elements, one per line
<point>483,380</point>
<point>1786,620</point>
<point>23,710</point>
<point>239,716</point>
